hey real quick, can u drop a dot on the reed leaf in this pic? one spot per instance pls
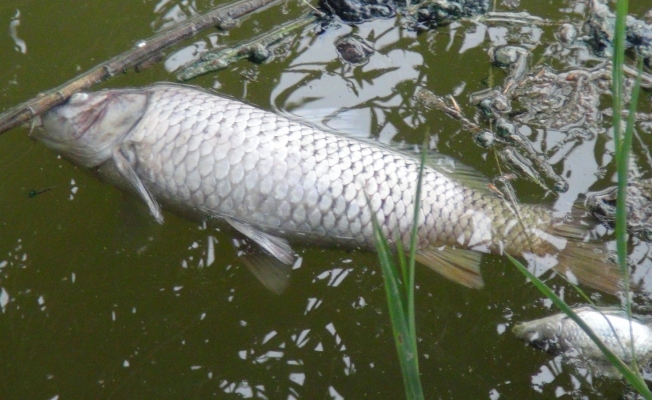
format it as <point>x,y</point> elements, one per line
<point>414,237</point>
<point>399,288</point>
<point>617,71</point>
<point>403,338</point>
<point>622,159</point>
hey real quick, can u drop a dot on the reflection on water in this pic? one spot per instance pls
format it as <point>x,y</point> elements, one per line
<point>21,46</point>
<point>317,79</point>
<point>15,261</point>
<point>171,13</point>
<point>103,308</point>
<point>557,378</point>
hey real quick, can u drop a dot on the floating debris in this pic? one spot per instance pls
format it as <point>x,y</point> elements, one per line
<point>258,50</point>
<point>532,164</point>
<point>432,14</point>
<point>34,193</point>
<point>353,49</point>
<point>360,10</point>
<point>602,23</point>
<point>639,207</point>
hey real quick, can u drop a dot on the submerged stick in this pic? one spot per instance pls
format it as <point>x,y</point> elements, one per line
<point>142,51</point>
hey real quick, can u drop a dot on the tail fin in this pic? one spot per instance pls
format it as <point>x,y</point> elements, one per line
<point>587,263</point>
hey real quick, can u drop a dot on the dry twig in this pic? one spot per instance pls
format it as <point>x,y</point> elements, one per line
<point>431,100</point>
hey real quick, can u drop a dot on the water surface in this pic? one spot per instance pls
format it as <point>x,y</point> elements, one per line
<point>97,301</point>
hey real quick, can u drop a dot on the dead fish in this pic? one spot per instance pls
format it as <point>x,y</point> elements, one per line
<point>560,334</point>
<point>275,179</point>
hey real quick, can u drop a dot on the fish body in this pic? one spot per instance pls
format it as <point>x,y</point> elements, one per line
<point>276,179</point>
<point>560,334</point>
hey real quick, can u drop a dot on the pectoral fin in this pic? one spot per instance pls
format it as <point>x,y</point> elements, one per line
<point>124,168</point>
<point>459,265</point>
<point>277,247</point>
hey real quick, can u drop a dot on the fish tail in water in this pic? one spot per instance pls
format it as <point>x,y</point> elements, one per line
<point>579,262</point>
<point>567,245</point>
<point>560,242</point>
<point>588,263</point>
<point>585,262</point>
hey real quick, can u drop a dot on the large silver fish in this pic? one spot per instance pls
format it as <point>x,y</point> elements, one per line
<point>560,334</point>
<point>275,179</point>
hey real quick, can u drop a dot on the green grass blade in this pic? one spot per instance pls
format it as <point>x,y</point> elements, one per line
<point>400,297</point>
<point>386,263</point>
<point>617,72</point>
<point>623,173</point>
<point>402,262</point>
<point>385,256</point>
<point>413,246</point>
<point>632,377</point>
<point>621,204</point>
<point>622,145</point>
<point>408,358</point>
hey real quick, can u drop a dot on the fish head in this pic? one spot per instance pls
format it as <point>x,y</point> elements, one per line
<point>89,126</point>
<point>544,333</point>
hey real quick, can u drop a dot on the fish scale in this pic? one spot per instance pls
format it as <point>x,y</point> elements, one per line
<point>274,178</point>
<point>280,148</point>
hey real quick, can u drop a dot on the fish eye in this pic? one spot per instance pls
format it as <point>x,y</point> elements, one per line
<point>78,98</point>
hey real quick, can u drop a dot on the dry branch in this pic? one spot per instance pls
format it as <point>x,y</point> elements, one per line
<point>142,52</point>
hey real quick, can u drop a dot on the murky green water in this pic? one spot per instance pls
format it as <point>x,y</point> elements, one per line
<point>97,301</point>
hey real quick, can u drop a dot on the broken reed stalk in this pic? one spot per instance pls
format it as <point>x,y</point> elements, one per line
<point>142,51</point>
